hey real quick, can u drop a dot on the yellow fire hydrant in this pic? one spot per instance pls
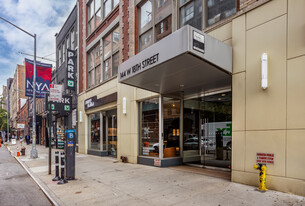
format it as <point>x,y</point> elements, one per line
<point>262,176</point>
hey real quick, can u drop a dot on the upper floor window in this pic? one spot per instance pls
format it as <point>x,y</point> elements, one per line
<point>154,29</point>
<point>97,10</point>
<point>59,56</point>
<point>94,66</point>
<point>63,52</point>
<point>73,39</point>
<point>111,54</point>
<point>218,10</point>
<point>191,13</point>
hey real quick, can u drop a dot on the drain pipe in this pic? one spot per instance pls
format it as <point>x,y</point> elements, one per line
<point>262,176</point>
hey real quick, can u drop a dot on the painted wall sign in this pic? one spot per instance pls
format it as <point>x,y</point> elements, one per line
<point>265,158</point>
<point>198,41</point>
<point>71,69</point>
<point>95,102</point>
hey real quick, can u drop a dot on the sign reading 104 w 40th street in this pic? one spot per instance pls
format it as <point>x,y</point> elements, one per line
<point>71,69</point>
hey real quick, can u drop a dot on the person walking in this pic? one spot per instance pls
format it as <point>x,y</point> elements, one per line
<point>27,139</point>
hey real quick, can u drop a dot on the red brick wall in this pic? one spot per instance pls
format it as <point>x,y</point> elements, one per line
<point>125,38</point>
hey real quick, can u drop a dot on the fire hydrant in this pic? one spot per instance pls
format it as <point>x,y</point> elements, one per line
<point>262,176</point>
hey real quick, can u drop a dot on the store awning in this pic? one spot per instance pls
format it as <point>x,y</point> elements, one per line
<point>188,61</point>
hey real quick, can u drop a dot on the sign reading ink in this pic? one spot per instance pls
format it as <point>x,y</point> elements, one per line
<point>70,154</point>
<point>71,69</point>
<point>93,102</point>
<point>141,65</point>
<point>198,41</point>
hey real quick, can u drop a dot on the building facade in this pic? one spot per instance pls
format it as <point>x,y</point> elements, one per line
<point>66,40</point>
<point>17,95</point>
<point>189,85</point>
<point>4,97</point>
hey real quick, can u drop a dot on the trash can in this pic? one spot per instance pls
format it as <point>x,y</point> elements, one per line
<point>23,151</point>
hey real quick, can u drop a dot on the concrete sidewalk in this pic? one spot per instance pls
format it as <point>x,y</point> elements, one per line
<point>106,181</point>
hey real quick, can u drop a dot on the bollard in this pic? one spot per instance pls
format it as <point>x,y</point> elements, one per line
<point>0,143</point>
<point>262,177</point>
<point>56,178</point>
<point>62,168</point>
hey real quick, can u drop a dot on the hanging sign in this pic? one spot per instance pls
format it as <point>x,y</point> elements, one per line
<point>43,78</point>
<point>55,92</point>
<point>198,41</point>
<point>71,69</point>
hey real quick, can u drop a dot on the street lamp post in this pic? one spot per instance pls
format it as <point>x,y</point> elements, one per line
<point>34,152</point>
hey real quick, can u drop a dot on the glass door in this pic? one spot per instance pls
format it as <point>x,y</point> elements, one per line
<point>207,138</point>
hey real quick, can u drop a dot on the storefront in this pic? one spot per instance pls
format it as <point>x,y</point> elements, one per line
<point>102,125</point>
<point>189,120</point>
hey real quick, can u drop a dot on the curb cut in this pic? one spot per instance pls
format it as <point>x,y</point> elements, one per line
<point>37,180</point>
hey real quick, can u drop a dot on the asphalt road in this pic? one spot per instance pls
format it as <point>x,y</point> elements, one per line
<point>16,186</point>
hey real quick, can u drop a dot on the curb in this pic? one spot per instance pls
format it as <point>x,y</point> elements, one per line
<point>37,180</point>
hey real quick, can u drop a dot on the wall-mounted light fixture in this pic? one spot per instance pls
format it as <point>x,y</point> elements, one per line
<point>80,116</point>
<point>264,67</point>
<point>124,105</point>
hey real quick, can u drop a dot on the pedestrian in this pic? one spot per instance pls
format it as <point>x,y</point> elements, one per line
<point>27,139</point>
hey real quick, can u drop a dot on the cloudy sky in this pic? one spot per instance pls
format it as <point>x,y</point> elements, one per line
<point>41,17</point>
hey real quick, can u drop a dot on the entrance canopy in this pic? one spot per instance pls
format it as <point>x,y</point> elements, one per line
<point>188,61</point>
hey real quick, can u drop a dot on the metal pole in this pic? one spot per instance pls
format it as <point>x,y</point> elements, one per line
<point>34,152</point>
<point>7,112</point>
<point>50,139</point>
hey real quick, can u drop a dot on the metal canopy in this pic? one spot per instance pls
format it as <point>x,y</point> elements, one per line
<point>188,61</point>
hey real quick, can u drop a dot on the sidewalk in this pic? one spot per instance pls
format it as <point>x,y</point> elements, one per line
<point>106,181</point>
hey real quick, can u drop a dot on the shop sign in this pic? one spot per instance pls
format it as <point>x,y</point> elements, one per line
<point>20,126</point>
<point>157,162</point>
<point>265,158</point>
<point>95,102</point>
<point>71,69</point>
<point>55,92</point>
<point>198,41</point>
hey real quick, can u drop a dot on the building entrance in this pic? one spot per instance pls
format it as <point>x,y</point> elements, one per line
<point>207,130</point>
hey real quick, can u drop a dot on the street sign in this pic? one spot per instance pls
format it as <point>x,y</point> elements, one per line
<point>20,126</point>
<point>265,158</point>
<point>71,69</point>
<point>55,92</point>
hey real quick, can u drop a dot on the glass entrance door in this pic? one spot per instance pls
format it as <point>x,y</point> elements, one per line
<point>207,138</point>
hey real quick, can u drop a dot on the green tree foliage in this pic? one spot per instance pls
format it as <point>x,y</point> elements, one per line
<point>3,116</point>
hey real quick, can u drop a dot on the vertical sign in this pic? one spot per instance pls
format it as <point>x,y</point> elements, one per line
<point>71,69</point>
<point>43,78</point>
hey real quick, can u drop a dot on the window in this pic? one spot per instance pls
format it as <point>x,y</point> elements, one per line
<point>97,11</point>
<point>59,56</point>
<point>219,10</point>
<point>149,127</point>
<point>111,54</point>
<point>94,66</point>
<point>162,21</point>
<point>94,128</point>
<point>191,13</point>
<point>73,42</point>
<point>68,41</point>
<point>63,52</point>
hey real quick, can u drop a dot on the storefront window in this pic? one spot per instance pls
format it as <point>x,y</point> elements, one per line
<point>94,127</point>
<point>149,127</point>
<point>171,127</point>
<point>191,14</point>
<point>111,121</point>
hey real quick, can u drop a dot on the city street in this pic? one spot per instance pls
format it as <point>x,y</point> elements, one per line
<point>16,186</point>
<point>106,181</point>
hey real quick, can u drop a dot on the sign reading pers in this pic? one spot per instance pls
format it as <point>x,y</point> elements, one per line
<point>198,41</point>
<point>71,69</point>
<point>55,92</point>
<point>264,158</point>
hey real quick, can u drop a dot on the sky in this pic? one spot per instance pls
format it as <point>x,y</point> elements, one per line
<point>41,17</point>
